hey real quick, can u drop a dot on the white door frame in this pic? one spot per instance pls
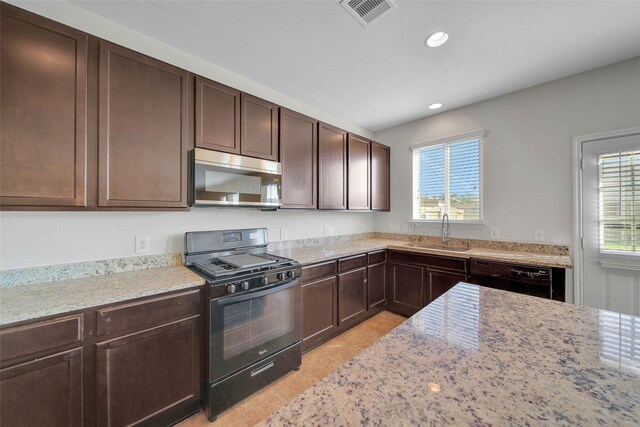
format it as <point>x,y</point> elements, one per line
<point>578,252</point>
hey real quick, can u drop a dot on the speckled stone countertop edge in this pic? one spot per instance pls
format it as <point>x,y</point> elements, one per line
<point>34,301</point>
<point>318,254</point>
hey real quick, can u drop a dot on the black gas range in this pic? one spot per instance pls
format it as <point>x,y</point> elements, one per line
<point>254,325</point>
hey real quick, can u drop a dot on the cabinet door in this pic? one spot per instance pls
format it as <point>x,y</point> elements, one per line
<point>44,392</point>
<point>145,373</point>
<point>406,294</point>
<point>43,110</point>
<point>298,155</point>
<point>143,130</point>
<point>319,311</point>
<point>259,128</point>
<point>439,282</point>
<point>352,295</point>
<point>332,167</point>
<point>217,116</point>
<point>380,156</point>
<point>358,166</point>
<point>376,285</point>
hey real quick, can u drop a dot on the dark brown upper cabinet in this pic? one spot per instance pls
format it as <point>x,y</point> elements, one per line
<point>217,116</point>
<point>143,130</point>
<point>380,156</point>
<point>298,154</point>
<point>43,110</point>
<point>258,128</point>
<point>359,165</point>
<point>332,167</point>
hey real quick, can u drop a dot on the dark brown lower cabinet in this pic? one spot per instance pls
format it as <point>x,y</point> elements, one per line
<point>146,373</point>
<point>406,289</point>
<point>135,362</point>
<point>339,294</point>
<point>440,282</point>
<point>416,280</point>
<point>376,285</point>
<point>43,392</point>
<point>319,311</point>
<point>352,295</point>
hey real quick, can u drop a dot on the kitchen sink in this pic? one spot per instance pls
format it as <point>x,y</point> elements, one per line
<point>441,247</point>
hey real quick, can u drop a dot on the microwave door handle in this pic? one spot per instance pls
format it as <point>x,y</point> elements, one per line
<point>252,295</point>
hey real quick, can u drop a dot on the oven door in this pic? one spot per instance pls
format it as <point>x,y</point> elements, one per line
<point>246,328</point>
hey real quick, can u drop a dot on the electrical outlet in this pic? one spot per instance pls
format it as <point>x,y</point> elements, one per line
<point>329,230</point>
<point>143,245</point>
<point>495,233</point>
<point>538,235</point>
<point>405,228</point>
<point>283,234</point>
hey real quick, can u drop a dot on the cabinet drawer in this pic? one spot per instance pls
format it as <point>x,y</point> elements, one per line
<point>377,257</point>
<point>346,264</point>
<point>318,271</point>
<point>147,312</point>
<point>40,336</point>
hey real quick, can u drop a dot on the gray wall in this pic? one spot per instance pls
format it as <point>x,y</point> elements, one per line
<point>527,179</point>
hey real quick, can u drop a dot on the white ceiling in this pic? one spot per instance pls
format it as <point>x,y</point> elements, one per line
<point>383,76</point>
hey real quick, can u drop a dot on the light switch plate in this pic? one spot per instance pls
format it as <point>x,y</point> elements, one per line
<point>495,233</point>
<point>538,235</point>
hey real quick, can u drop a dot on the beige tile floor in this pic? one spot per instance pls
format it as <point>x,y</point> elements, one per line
<point>316,364</point>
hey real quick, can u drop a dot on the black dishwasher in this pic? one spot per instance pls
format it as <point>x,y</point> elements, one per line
<point>523,279</point>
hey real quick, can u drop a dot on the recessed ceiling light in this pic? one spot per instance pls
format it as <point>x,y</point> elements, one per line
<point>437,39</point>
<point>435,106</point>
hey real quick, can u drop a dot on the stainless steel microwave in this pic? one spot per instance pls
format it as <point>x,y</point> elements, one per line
<point>223,179</point>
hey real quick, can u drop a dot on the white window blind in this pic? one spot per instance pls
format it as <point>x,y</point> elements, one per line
<point>447,179</point>
<point>619,194</point>
<point>619,338</point>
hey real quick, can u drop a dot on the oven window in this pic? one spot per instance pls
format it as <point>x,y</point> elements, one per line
<point>250,324</point>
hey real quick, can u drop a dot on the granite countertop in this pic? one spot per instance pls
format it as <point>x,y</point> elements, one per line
<point>466,360</point>
<point>313,254</point>
<point>33,301</point>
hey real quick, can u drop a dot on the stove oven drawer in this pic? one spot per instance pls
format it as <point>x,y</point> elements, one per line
<point>226,393</point>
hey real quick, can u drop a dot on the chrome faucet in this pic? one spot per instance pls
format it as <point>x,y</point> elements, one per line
<point>445,231</point>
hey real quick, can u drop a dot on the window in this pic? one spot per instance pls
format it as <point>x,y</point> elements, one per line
<point>447,179</point>
<point>619,177</point>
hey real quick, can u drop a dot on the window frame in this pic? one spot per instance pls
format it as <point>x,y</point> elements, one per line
<point>415,174</point>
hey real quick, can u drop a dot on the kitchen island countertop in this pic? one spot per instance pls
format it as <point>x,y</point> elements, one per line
<point>479,356</point>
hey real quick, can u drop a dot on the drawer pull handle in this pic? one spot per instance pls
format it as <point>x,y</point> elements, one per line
<point>262,369</point>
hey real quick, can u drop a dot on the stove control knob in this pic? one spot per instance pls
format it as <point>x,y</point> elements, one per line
<point>290,274</point>
<point>231,289</point>
<point>264,280</point>
<point>280,276</point>
<point>244,285</point>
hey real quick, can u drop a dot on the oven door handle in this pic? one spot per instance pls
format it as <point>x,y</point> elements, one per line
<point>252,295</point>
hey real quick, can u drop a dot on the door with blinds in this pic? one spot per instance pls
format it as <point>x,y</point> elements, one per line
<point>611,224</point>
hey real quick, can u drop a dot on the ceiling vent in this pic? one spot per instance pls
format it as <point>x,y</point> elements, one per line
<point>368,12</point>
